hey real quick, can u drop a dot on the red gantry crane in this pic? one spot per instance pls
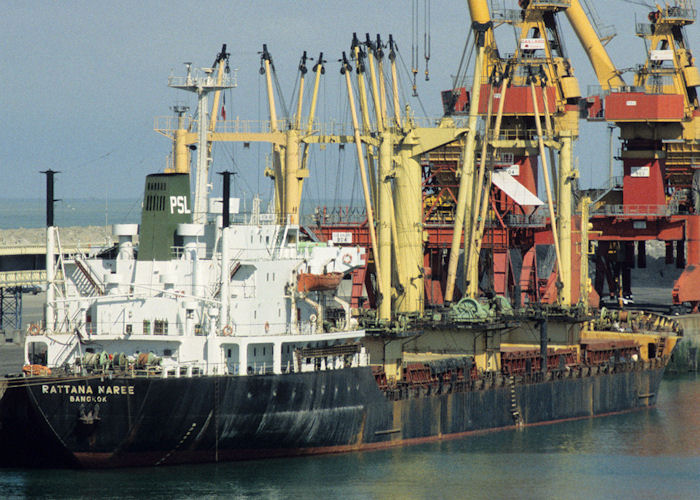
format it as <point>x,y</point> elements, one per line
<point>657,117</point>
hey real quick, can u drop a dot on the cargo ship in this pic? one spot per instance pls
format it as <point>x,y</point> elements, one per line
<point>144,363</point>
<point>209,334</point>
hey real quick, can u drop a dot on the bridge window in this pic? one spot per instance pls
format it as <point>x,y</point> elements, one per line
<point>160,327</point>
<point>38,353</point>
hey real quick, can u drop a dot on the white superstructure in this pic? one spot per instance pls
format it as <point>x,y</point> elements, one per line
<point>227,302</point>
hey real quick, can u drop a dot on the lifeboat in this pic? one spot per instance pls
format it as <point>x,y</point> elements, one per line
<point>36,370</point>
<point>318,282</point>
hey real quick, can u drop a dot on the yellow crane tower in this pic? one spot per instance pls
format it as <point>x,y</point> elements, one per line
<point>399,143</point>
<point>539,112</point>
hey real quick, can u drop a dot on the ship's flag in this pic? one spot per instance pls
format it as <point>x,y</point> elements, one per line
<point>223,108</point>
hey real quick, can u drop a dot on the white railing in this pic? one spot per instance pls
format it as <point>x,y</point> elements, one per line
<point>682,12</point>
<point>655,84</point>
<point>506,15</point>
<point>204,79</point>
<point>168,124</point>
<point>635,210</point>
<point>551,3</point>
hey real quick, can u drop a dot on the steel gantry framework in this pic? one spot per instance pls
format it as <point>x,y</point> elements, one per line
<point>657,118</point>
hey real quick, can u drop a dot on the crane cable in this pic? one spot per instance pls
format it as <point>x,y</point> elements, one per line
<point>414,44</point>
<point>426,37</point>
<point>415,93</point>
<point>301,72</point>
<point>466,53</point>
<point>415,21</point>
<point>402,90</point>
<point>285,111</point>
<point>644,4</point>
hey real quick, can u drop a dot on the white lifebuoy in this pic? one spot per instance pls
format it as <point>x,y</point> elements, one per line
<point>312,318</point>
<point>267,327</point>
<point>347,259</point>
<point>227,330</point>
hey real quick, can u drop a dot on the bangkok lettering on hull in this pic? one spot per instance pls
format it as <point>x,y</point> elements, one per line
<point>88,394</point>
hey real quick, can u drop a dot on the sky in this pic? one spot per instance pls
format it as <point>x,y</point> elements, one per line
<point>83,82</point>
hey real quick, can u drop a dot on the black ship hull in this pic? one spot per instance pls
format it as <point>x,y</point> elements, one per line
<point>139,421</point>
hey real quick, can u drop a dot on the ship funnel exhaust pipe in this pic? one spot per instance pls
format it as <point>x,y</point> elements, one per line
<point>226,211</point>
<point>50,316</point>
<point>49,196</point>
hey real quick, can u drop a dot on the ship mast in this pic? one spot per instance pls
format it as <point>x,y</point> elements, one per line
<point>201,83</point>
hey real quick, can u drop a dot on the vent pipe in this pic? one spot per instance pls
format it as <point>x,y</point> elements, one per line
<point>49,196</point>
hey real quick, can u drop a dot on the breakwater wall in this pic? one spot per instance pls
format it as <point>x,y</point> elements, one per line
<point>687,352</point>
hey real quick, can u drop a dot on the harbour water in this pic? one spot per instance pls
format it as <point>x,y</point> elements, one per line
<point>648,454</point>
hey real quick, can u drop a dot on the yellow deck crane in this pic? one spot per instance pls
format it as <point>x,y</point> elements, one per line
<point>484,42</point>
<point>289,165</point>
<point>395,143</point>
<point>539,112</point>
<point>399,143</point>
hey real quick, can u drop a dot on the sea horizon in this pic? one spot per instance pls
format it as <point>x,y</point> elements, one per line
<point>28,213</point>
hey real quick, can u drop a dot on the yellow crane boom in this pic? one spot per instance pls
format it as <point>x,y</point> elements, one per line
<point>605,70</point>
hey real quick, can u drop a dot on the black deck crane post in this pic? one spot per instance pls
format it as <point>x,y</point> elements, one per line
<point>49,195</point>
